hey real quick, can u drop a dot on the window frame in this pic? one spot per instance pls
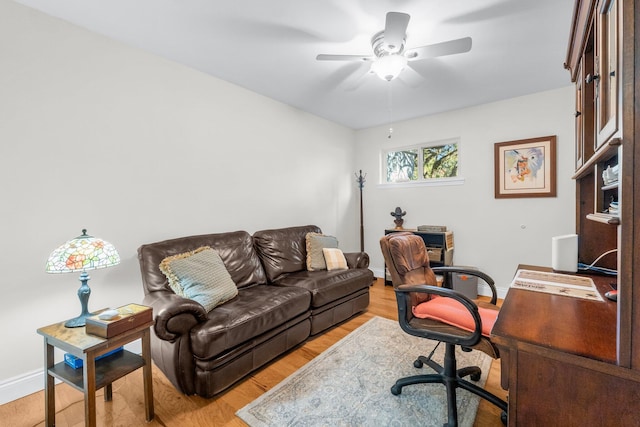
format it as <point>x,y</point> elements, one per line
<point>421,181</point>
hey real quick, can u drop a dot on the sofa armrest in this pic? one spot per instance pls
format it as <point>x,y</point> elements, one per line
<point>357,259</point>
<point>173,314</point>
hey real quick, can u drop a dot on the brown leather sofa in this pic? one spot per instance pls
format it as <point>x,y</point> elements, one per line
<point>278,306</point>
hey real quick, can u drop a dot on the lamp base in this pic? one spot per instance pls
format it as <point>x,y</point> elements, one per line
<point>83,294</point>
<point>77,322</point>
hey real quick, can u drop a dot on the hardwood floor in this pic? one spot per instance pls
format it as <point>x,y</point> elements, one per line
<point>175,409</point>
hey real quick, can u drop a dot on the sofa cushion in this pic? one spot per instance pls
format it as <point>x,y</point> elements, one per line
<point>283,250</point>
<point>315,243</point>
<point>328,286</point>
<point>200,275</point>
<point>334,258</point>
<point>256,310</point>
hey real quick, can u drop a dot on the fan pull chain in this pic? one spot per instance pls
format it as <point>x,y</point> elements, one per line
<point>390,103</point>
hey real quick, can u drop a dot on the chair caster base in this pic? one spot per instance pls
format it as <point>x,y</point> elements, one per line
<point>395,390</point>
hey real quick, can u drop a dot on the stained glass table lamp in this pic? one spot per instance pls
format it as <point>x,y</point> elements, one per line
<point>81,254</point>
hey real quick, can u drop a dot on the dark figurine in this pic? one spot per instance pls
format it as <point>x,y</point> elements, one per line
<point>398,214</point>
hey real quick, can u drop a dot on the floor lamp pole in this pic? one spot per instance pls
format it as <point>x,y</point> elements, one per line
<point>360,179</point>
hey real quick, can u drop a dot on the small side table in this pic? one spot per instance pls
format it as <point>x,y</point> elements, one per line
<point>94,374</point>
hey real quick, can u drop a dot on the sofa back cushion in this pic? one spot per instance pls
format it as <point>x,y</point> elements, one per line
<point>235,249</point>
<point>283,250</point>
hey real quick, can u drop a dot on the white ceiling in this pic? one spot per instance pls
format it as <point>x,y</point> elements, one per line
<point>269,47</point>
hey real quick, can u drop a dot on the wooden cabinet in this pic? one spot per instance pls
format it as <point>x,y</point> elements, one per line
<point>560,356</point>
<point>602,64</point>
<point>595,63</point>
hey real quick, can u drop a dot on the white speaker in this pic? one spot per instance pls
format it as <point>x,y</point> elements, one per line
<point>564,253</point>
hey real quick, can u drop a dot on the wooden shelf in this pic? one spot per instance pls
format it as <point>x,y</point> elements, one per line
<point>108,370</point>
<point>604,218</point>
<point>611,186</point>
<point>606,151</point>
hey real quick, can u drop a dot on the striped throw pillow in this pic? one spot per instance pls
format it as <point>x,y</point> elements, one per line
<point>200,275</point>
<point>334,259</point>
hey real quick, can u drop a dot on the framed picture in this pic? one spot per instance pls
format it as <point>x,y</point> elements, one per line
<point>525,168</point>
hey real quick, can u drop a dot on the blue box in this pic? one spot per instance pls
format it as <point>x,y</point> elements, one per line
<point>76,362</point>
<point>73,361</point>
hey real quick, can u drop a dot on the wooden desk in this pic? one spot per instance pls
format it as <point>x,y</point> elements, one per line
<point>558,360</point>
<point>94,374</point>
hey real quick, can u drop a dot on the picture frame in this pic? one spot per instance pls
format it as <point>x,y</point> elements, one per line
<point>525,168</point>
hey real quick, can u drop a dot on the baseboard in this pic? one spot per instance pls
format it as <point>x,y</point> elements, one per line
<point>32,382</point>
<point>21,386</point>
<point>486,291</point>
<point>377,272</point>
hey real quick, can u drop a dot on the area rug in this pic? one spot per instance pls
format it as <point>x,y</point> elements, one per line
<point>349,385</point>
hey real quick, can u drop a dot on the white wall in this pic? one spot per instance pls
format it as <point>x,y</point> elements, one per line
<point>494,234</point>
<point>137,149</point>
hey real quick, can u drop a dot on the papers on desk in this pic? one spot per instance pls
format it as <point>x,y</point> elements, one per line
<point>556,284</point>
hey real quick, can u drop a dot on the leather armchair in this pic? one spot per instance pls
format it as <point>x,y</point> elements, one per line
<point>415,283</point>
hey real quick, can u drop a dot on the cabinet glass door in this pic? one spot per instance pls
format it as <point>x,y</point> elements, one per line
<point>607,72</point>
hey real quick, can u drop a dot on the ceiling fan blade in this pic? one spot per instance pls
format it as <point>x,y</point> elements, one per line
<point>411,77</point>
<point>357,78</point>
<point>395,31</point>
<point>439,49</point>
<point>325,57</point>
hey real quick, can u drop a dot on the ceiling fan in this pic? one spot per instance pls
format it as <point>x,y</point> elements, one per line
<point>389,55</point>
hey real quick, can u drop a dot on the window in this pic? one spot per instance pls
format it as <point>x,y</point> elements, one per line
<point>427,162</point>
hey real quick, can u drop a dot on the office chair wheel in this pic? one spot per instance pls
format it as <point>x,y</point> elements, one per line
<point>418,364</point>
<point>395,390</point>
<point>475,376</point>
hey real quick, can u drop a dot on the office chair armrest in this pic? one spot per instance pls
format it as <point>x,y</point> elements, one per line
<point>448,271</point>
<point>403,299</point>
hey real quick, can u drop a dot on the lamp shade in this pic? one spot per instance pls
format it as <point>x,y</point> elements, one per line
<point>82,253</point>
<point>389,66</point>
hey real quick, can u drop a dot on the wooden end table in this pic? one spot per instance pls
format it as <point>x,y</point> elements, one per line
<point>94,374</point>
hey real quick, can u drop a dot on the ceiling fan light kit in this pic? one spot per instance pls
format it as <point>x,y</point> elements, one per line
<point>389,56</point>
<point>388,67</point>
